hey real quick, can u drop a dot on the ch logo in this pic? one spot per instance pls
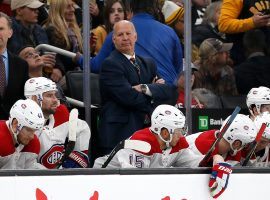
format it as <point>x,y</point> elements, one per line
<point>203,122</point>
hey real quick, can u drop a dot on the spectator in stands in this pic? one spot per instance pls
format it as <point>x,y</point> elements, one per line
<point>157,40</point>
<point>35,62</point>
<point>63,30</point>
<point>214,73</point>
<point>5,7</point>
<point>27,32</point>
<point>95,9</point>
<point>36,66</point>
<point>13,70</point>
<point>206,98</point>
<point>180,102</point>
<point>129,86</point>
<point>209,26</point>
<point>254,71</point>
<point>197,11</point>
<point>178,2</point>
<point>114,11</point>
<point>237,17</point>
<point>43,12</point>
<point>174,17</point>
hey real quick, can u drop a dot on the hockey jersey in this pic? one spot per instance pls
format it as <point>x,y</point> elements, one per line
<point>177,156</point>
<point>201,142</point>
<point>21,157</point>
<point>54,135</point>
<point>258,159</point>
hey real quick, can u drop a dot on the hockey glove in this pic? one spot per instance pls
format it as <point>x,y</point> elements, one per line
<point>77,159</point>
<point>219,179</point>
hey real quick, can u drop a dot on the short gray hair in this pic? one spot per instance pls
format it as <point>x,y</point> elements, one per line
<point>210,12</point>
<point>207,98</point>
<point>9,21</point>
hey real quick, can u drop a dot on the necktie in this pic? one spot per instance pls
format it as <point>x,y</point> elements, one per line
<point>2,76</point>
<point>137,67</point>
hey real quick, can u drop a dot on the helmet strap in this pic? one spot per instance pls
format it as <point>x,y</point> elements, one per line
<point>15,133</point>
<point>40,99</point>
<point>167,142</point>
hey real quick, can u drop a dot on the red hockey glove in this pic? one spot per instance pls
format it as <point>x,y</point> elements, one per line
<point>219,179</point>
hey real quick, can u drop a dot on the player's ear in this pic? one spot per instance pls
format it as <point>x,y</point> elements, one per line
<point>34,98</point>
<point>237,144</point>
<point>165,133</point>
<point>14,125</point>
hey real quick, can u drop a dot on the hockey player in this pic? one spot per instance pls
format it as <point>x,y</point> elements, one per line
<point>54,135</point>
<point>241,132</point>
<point>19,146</point>
<point>169,148</point>
<point>258,102</point>
<point>260,158</point>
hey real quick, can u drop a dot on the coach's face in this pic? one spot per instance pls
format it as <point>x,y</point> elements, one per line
<point>124,37</point>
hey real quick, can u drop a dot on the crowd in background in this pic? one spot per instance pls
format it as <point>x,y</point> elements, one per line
<point>230,53</point>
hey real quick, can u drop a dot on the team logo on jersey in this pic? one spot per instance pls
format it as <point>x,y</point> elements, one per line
<point>51,158</point>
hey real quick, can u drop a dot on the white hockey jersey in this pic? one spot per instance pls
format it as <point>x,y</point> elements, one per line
<point>201,142</point>
<point>258,159</point>
<point>178,156</point>
<point>53,137</point>
<point>21,157</point>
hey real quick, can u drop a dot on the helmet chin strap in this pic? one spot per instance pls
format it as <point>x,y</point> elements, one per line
<point>15,133</point>
<point>39,99</point>
<point>235,150</point>
<point>167,142</point>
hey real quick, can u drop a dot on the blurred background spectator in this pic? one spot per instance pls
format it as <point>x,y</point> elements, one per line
<point>174,17</point>
<point>209,26</point>
<point>5,7</point>
<point>255,70</point>
<point>237,17</point>
<point>207,98</point>
<point>114,11</point>
<point>180,103</point>
<point>27,32</point>
<point>214,73</point>
<point>63,30</point>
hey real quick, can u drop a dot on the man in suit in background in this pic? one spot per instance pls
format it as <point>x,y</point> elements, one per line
<point>129,89</point>
<point>13,70</point>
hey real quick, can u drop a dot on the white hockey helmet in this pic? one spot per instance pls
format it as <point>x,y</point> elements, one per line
<point>258,96</point>
<point>28,114</point>
<point>263,118</point>
<point>242,128</point>
<point>37,86</point>
<point>169,117</point>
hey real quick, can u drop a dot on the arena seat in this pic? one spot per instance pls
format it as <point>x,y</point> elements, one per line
<point>74,80</point>
<point>233,101</point>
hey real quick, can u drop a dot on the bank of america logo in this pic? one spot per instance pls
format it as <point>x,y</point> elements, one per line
<point>203,122</point>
